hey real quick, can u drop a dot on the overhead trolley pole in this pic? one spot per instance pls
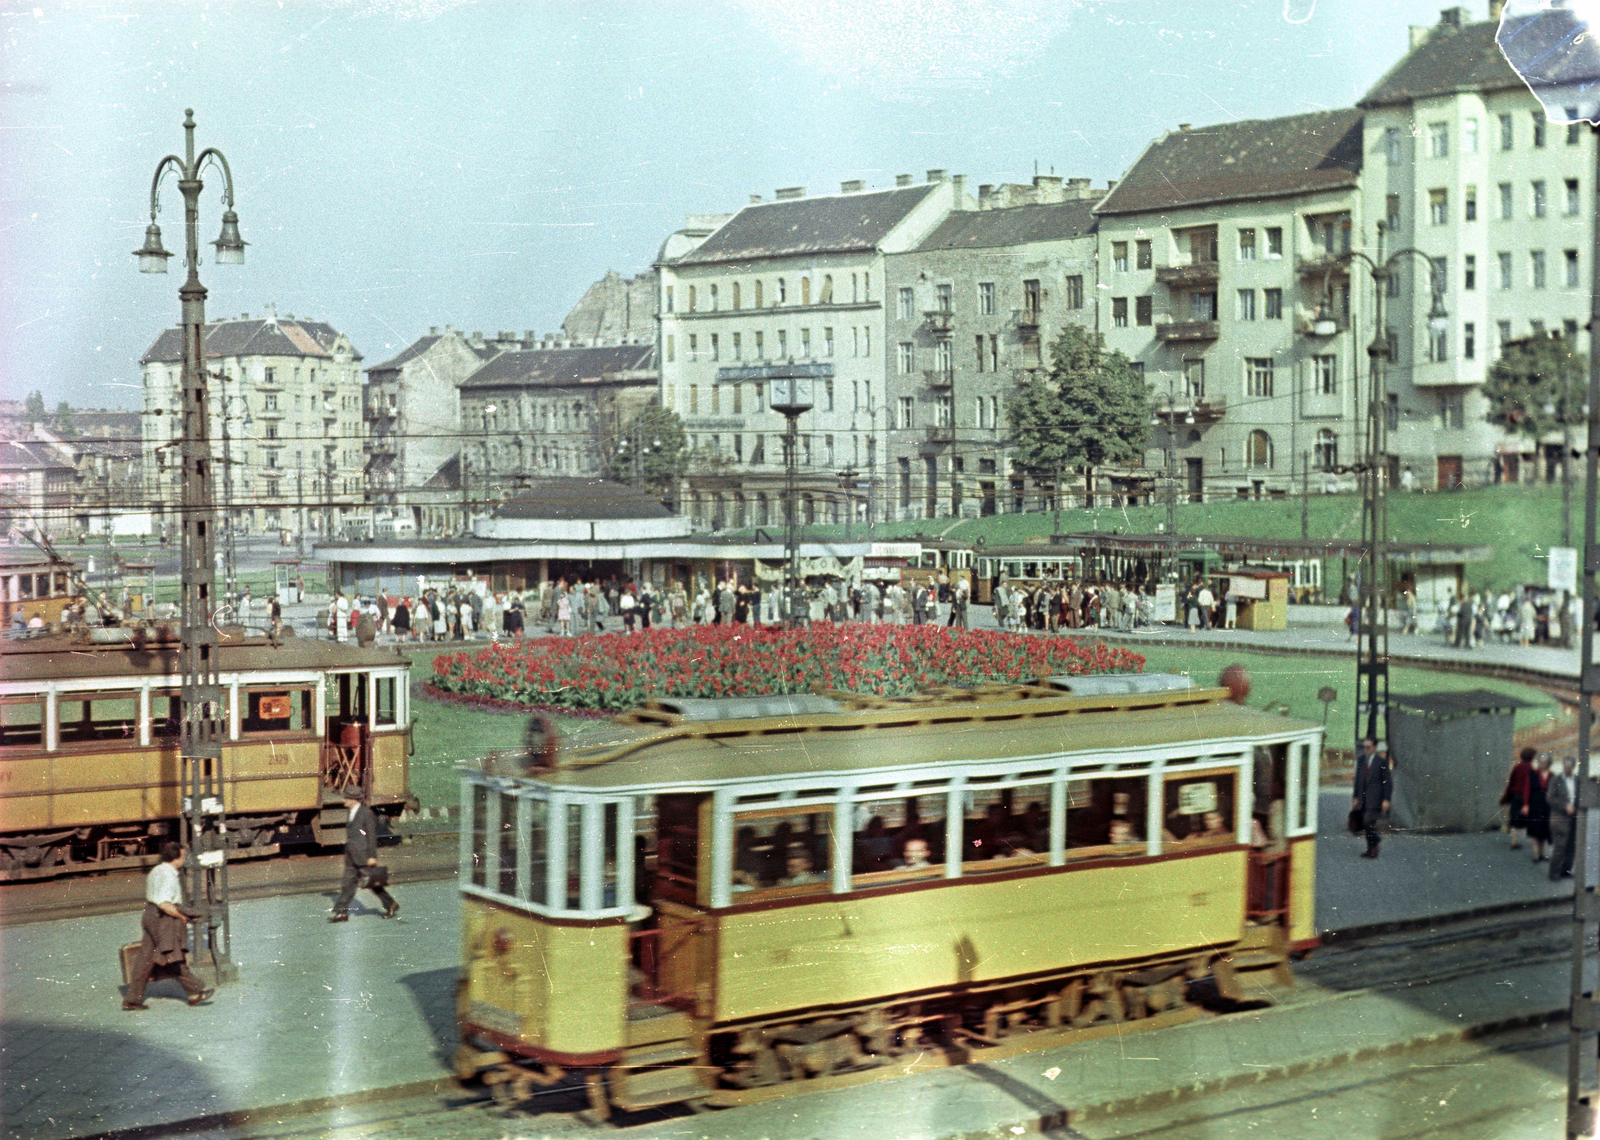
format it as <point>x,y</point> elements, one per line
<point>203,709</point>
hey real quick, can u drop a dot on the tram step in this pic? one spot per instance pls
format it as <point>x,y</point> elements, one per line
<point>1255,959</point>
<point>631,1091</point>
<point>668,1025</point>
<point>328,828</point>
<point>658,1054</point>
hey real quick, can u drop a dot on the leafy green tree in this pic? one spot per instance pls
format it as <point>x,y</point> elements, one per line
<point>34,407</point>
<point>1092,409</point>
<point>63,420</point>
<point>652,450</point>
<point>1538,384</point>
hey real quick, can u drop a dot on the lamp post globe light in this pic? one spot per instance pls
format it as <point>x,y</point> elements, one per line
<point>200,742</point>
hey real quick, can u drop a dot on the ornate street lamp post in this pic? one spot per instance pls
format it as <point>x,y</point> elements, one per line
<point>201,734</point>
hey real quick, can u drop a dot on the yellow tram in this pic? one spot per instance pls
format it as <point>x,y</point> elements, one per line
<point>89,765</point>
<point>736,899</point>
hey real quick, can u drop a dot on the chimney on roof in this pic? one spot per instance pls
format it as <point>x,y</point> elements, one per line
<point>902,180</point>
<point>784,193</point>
<point>852,186</point>
<point>433,330</point>
<point>1111,184</point>
<point>755,199</point>
<point>477,338</point>
<point>1047,189</point>
<point>1454,18</point>
<point>1078,188</point>
<point>506,336</point>
<point>936,176</point>
<point>1419,35</point>
<point>529,337</point>
<point>448,329</point>
<point>1183,126</point>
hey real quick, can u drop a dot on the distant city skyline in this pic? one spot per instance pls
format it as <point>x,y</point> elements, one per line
<point>406,164</point>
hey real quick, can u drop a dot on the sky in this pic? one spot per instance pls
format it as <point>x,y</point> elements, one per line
<point>406,163</point>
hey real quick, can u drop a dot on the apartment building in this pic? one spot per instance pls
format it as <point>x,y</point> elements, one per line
<point>1221,276</point>
<point>1463,167</point>
<point>972,310</point>
<point>286,424</point>
<point>795,279</point>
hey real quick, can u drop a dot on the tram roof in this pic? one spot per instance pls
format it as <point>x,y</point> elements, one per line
<point>66,658</point>
<point>1246,546</point>
<point>915,738</point>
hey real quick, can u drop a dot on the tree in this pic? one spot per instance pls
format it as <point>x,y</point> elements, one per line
<point>34,408</point>
<point>63,420</point>
<point>1538,388</point>
<point>652,450</point>
<point>1092,409</point>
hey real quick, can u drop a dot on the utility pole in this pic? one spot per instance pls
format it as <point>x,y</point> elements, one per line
<point>201,700</point>
<point>1305,495</point>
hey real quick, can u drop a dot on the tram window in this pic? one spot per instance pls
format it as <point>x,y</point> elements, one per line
<point>385,711</point>
<point>1198,809</point>
<point>536,840</point>
<point>677,872</point>
<point>783,850</point>
<point>1269,794</point>
<point>480,834</point>
<point>1005,828</point>
<point>98,718</point>
<point>166,713</point>
<point>1308,790</point>
<point>60,584</point>
<point>25,585</point>
<point>276,710</point>
<point>1106,816</point>
<point>508,844</point>
<point>21,721</point>
<point>899,839</point>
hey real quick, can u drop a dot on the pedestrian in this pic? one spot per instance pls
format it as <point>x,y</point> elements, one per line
<point>626,606</point>
<point>516,617</point>
<point>164,930</point>
<point>1562,795</point>
<point>441,627</point>
<point>564,613</point>
<point>341,616</point>
<point>1207,601</point>
<point>1527,621</point>
<point>1463,638</point>
<point>1515,797</point>
<point>275,614</point>
<point>400,620</point>
<point>1374,788</point>
<point>1538,810</point>
<point>244,606</point>
<point>963,596</point>
<point>360,858</point>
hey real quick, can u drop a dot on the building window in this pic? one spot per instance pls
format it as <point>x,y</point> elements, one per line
<point>269,402</point>
<point>1438,344</point>
<point>1571,256</point>
<point>783,344</point>
<point>1537,204</point>
<point>1502,330</point>
<point>1505,269</point>
<point>1392,146</point>
<point>1569,328</point>
<point>986,298</point>
<point>1142,310</point>
<point>1452,410</point>
<point>1119,312</point>
<point>758,452</point>
<point>908,413</point>
<point>1119,256</point>
<point>715,347</point>
<point>805,290</point>
<point>1194,378</point>
<point>669,299</point>
<point>944,411</point>
<point>1274,304</point>
<point>1536,327</point>
<point>1439,274</point>
<point>781,295</point>
<point>737,297</point>
<point>738,346</point>
<point>805,344</point>
<point>672,348</point>
<point>1438,207</point>
<point>866,286</point>
<point>1574,126</point>
<point>1469,136</point>
<point>1538,128</point>
<point>694,399</point>
<point>827,342</point>
<point>1327,450</point>
<point>994,352</point>
<point>1075,291</point>
<point>1506,133</point>
<point>1258,376</point>
<point>827,396</point>
<point>979,340</point>
<point>1439,140</point>
<point>757,295</point>
<point>1469,341</point>
<point>713,294</point>
<point>907,357</point>
<point>1247,245</point>
<point>1258,450</point>
<point>1325,375</point>
<point>941,298</point>
<point>827,451</point>
<point>908,302</point>
<point>761,346</point>
<point>1469,209</point>
<point>716,399</point>
<point>827,290</point>
<point>738,399</point>
<point>691,298</point>
<point>694,346</point>
<point>1506,209</point>
<point>1143,257</point>
<point>1469,272</point>
<point>1572,197</point>
<point>1536,268</point>
<point>1392,211</point>
<point>272,431</point>
<point>1032,297</point>
<point>1247,304</point>
<point>1203,306</point>
<point>1274,241</point>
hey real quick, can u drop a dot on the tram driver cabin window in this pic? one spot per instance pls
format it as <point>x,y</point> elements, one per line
<point>386,708</point>
<point>1106,816</point>
<point>275,710</point>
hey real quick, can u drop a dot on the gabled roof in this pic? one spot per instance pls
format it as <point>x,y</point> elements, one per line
<point>31,456</point>
<point>832,223</point>
<point>259,337</point>
<point>1256,158</point>
<point>421,345</point>
<point>587,500</point>
<point>1016,225</point>
<point>1452,59</point>
<point>557,367</point>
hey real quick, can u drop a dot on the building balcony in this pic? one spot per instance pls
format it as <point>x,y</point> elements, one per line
<point>1187,331</point>
<point>938,320</point>
<point>939,377</point>
<point>379,445</point>
<point>944,434</point>
<point>1193,410</point>
<point>1188,276</point>
<point>1026,318</point>
<point>1321,263</point>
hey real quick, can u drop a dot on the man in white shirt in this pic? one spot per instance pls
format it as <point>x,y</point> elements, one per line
<point>163,926</point>
<point>1207,601</point>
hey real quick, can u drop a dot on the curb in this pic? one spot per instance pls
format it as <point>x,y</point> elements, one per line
<point>1559,904</point>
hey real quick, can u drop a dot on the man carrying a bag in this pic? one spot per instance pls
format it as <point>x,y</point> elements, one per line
<point>361,857</point>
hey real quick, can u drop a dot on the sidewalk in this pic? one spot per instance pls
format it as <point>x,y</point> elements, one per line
<point>335,1011</point>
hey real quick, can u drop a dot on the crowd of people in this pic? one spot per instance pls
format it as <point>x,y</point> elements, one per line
<point>1053,606</point>
<point>1478,617</point>
<point>1543,804</point>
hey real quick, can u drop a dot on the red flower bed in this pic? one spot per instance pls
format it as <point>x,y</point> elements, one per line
<point>618,671</point>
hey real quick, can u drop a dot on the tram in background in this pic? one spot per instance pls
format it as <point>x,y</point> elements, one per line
<point>732,900</point>
<point>34,584</point>
<point>89,764</point>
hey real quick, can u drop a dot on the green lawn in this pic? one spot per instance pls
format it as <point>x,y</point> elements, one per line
<point>1520,522</point>
<point>1295,680</point>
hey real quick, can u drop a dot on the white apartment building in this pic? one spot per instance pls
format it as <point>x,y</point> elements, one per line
<point>286,415</point>
<point>1462,166</point>
<point>1217,253</point>
<point>802,279</point>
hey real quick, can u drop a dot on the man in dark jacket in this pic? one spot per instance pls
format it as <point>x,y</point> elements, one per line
<point>360,854</point>
<point>1374,789</point>
<point>165,932</point>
